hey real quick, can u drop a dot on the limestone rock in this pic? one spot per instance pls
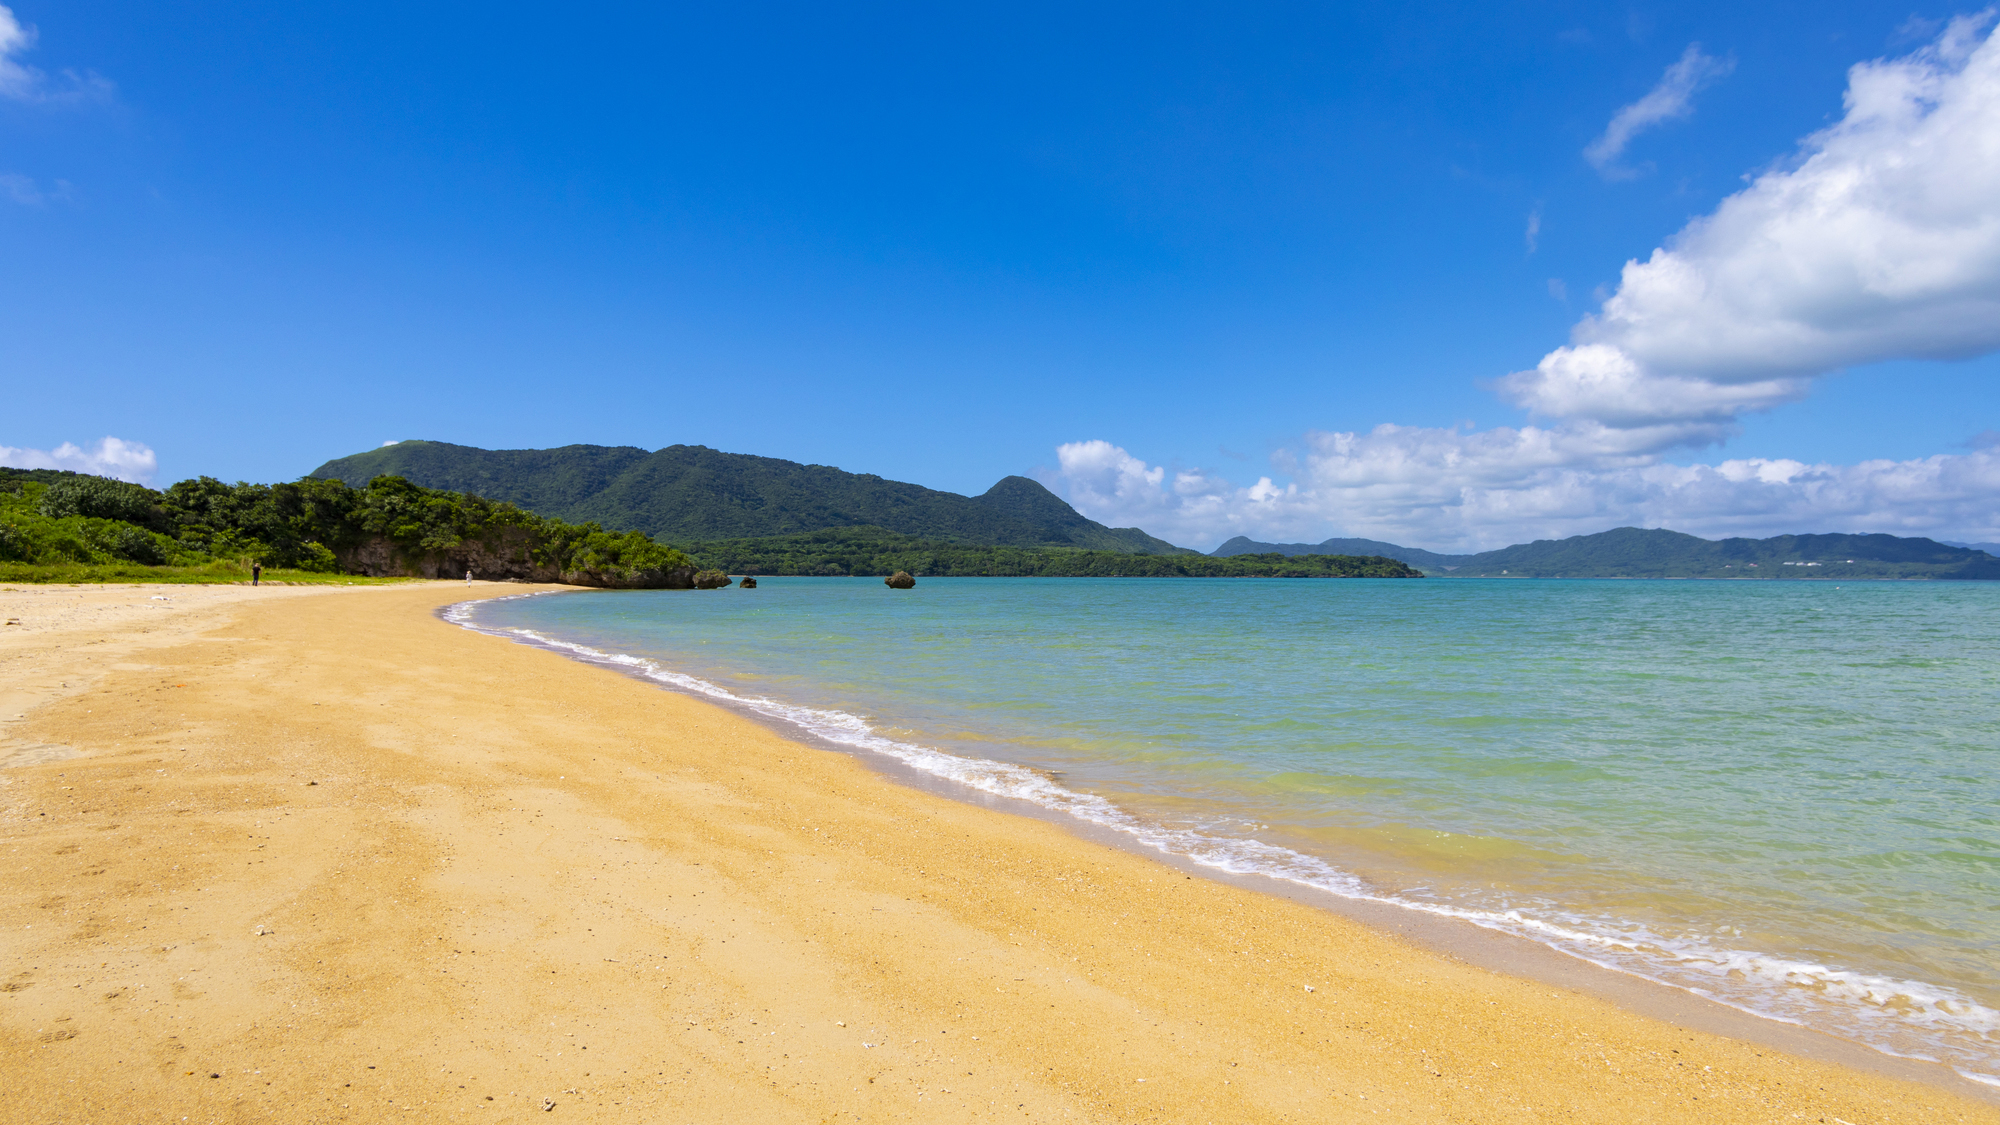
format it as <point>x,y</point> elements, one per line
<point>746,583</point>
<point>710,580</point>
<point>900,580</point>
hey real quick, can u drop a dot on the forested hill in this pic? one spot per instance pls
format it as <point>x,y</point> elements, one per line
<point>690,493</point>
<point>1414,556</point>
<point>1631,552</point>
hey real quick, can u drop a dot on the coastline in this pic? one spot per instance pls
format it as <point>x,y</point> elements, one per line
<point>1026,791</point>
<point>485,870</point>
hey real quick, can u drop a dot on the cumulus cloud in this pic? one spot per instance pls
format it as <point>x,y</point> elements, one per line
<point>113,457</point>
<point>1102,477</point>
<point>21,82</point>
<point>1878,239</point>
<point>1603,384</point>
<point>1452,490</point>
<point>1670,100</point>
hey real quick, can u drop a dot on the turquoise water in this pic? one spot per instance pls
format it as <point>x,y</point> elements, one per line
<point>1784,795</point>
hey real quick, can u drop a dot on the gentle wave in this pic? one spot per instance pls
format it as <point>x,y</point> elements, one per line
<point>1909,1019</point>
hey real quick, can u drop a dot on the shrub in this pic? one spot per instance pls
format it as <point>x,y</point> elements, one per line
<point>318,559</point>
<point>104,499</point>
<point>138,545</point>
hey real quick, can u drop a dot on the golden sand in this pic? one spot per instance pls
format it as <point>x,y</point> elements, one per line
<point>315,855</point>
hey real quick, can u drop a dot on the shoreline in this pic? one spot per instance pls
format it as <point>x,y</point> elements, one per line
<point>1459,938</point>
<point>377,852</point>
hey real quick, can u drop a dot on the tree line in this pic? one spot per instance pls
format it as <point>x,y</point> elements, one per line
<point>48,517</point>
<point>872,551</point>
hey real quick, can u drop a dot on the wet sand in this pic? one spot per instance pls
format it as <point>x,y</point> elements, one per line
<point>314,855</point>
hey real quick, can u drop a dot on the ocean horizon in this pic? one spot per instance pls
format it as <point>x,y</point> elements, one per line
<point>1776,795</point>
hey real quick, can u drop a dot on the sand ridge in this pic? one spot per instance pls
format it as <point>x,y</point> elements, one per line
<point>323,857</point>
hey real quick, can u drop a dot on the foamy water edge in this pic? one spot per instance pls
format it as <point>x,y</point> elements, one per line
<point>1879,1012</point>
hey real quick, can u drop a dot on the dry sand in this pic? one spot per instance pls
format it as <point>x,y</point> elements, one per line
<point>319,856</point>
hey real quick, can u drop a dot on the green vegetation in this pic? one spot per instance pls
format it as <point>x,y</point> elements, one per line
<point>1430,562</point>
<point>65,527</point>
<point>69,527</point>
<point>690,493</point>
<point>1631,552</point>
<point>875,551</point>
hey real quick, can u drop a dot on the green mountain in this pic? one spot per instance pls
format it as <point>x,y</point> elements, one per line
<point>690,493</point>
<point>1631,552</point>
<point>1414,556</point>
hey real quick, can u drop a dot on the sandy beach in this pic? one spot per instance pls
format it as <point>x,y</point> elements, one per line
<point>313,854</point>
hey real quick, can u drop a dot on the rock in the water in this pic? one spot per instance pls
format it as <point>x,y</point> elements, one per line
<point>746,583</point>
<point>710,580</point>
<point>900,580</point>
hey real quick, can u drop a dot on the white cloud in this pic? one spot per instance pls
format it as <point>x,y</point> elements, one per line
<point>1604,384</point>
<point>1452,490</point>
<point>1533,235</point>
<point>1879,240</point>
<point>1100,476</point>
<point>113,457</point>
<point>24,83</point>
<point>16,81</point>
<point>1671,99</point>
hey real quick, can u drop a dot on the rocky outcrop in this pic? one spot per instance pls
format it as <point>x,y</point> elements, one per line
<point>506,555</point>
<point>710,580</point>
<point>900,580</point>
<point>746,583</point>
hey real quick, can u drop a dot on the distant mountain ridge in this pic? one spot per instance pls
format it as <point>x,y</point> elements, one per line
<point>1414,556</point>
<point>1631,552</point>
<point>691,493</point>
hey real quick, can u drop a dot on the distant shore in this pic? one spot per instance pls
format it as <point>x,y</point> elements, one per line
<point>314,854</point>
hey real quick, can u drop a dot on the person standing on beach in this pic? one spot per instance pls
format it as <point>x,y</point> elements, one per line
<point>256,573</point>
<point>468,576</point>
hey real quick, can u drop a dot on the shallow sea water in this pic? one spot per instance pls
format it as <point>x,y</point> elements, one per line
<point>1783,795</point>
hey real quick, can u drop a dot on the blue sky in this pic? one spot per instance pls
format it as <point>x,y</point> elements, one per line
<point>1159,256</point>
